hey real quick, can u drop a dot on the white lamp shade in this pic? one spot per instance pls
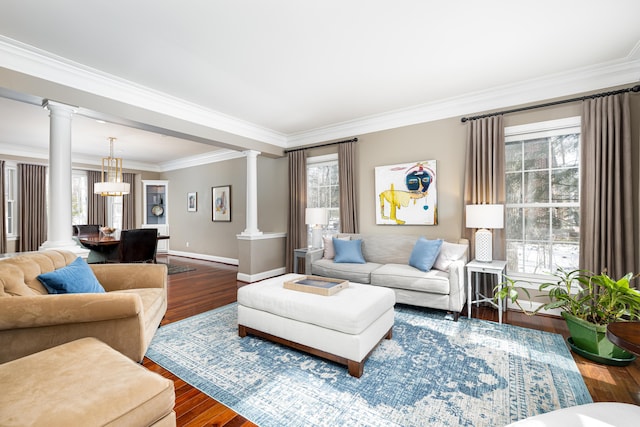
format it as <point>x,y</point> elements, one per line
<point>316,216</point>
<point>111,188</point>
<point>485,216</point>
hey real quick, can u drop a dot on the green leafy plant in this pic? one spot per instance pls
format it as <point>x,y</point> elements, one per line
<point>598,299</point>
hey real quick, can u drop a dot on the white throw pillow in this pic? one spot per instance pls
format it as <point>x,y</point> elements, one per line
<point>449,252</point>
<point>329,251</point>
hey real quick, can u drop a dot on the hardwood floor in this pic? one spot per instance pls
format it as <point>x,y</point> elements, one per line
<point>214,285</point>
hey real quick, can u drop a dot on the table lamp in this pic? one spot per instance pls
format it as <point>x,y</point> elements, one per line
<point>316,218</point>
<point>484,218</point>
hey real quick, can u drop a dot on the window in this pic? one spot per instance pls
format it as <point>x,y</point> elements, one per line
<point>114,211</point>
<point>11,200</point>
<point>79,197</point>
<point>323,190</point>
<point>543,206</point>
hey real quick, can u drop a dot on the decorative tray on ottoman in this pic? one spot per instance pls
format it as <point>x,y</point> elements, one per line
<point>317,285</point>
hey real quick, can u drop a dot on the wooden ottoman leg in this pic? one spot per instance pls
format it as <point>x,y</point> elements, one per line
<point>242,331</point>
<point>389,334</point>
<point>355,368</point>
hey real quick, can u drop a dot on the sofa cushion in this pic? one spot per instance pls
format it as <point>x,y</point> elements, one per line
<point>359,273</point>
<point>349,251</point>
<point>424,253</point>
<point>76,277</point>
<point>12,281</point>
<point>31,265</point>
<point>449,252</point>
<point>404,276</point>
<point>82,383</point>
<point>385,249</point>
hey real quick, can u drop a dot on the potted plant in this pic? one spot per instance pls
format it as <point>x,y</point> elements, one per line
<point>588,303</point>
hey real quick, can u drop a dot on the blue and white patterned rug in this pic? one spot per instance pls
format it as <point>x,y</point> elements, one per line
<point>434,372</point>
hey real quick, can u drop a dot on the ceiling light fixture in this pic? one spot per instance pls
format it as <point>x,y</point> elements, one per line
<point>111,184</point>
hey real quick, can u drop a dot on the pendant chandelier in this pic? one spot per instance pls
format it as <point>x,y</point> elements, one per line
<point>111,184</point>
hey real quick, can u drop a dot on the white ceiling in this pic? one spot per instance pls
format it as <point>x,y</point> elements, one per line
<point>297,69</point>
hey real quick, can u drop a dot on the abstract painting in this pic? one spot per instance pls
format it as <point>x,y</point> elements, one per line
<point>406,194</point>
<point>221,200</point>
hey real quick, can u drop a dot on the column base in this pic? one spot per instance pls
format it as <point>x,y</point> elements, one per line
<point>66,245</point>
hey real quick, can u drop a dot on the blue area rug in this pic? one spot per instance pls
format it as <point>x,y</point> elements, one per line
<point>434,372</point>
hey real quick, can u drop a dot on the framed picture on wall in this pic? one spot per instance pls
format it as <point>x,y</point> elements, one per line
<point>192,202</point>
<point>406,194</point>
<point>221,201</point>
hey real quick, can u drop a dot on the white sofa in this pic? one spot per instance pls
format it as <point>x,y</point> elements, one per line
<point>387,264</point>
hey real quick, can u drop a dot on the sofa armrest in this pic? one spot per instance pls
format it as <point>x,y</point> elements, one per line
<point>457,293</point>
<point>311,256</point>
<point>116,277</point>
<point>64,309</point>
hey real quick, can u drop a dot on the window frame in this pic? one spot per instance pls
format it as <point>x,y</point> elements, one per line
<point>11,168</point>
<point>537,130</point>
<point>84,203</point>
<point>329,160</point>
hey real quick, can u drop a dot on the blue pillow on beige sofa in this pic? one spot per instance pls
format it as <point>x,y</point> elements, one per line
<point>74,278</point>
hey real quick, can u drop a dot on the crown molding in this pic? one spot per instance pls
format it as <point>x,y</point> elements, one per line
<point>586,79</point>
<point>30,60</point>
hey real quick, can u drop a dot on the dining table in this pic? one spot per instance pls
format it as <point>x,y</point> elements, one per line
<point>105,246</point>
<point>625,335</point>
<point>101,239</point>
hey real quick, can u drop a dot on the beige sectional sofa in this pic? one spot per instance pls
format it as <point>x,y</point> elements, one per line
<point>387,264</point>
<point>125,317</point>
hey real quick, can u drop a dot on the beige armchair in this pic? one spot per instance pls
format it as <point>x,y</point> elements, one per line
<point>125,317</point>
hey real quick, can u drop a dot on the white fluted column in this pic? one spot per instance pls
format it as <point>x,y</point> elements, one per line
<point>252,194</point>
<point>59,194</point>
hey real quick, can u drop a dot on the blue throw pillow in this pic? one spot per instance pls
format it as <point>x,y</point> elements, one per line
<point>348,251</point>
<point>424,253</point>
<point>76,277</point>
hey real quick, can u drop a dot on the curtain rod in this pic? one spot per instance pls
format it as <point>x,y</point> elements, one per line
<point>549,104</point>
<point>320,145</point>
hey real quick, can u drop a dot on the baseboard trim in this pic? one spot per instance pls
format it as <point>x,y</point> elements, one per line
<point>250,278</point>
<point>231,261</point>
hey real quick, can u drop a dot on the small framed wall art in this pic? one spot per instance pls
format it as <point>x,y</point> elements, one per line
<point>192,202</point>
<point>221,200</point>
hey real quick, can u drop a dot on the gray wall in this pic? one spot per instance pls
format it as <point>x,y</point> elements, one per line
<point>442,140</point>
<point>220,238</point>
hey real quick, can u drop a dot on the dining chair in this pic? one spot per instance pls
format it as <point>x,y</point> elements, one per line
<point>138,245</point>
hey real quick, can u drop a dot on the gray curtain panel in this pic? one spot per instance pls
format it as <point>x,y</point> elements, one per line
<point>296,228</point>
<point>3,214</point>
<point>96,205</point>
<point>484,180</point>
<point>606,193</point>
<point>32,206</point>
<point>347,180</point>
<point>129,203</point>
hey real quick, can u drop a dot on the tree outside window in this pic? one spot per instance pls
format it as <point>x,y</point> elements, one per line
<point>543,206</point>
<point>323,190</point>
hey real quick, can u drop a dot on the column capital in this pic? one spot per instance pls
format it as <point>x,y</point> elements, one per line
<point>252,153</point>
<point>58,106</point>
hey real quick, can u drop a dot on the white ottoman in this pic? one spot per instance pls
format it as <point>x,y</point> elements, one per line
<point>344,327</point>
